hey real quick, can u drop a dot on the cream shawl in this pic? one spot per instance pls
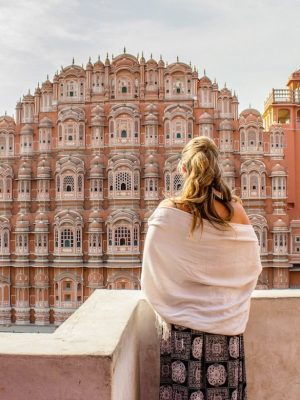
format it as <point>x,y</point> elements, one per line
<point>203,281</point>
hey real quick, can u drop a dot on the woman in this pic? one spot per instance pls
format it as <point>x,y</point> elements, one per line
<point>201,264</point>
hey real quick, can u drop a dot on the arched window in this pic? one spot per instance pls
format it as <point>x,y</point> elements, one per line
<point>123,181</point>
<point>284,116</point>
<point>69,179</point>
<point>69,185</point>
<point>71,127</point>
<point>280,243</point>
<point>22,243</point>
<point>72,89</point>
<point>123,234</point>
<point>6,144</point>
<point>4,238</point>
<point>151,135</point>
<point>177,183</point>
<point>68,291</point>
<point>68,233</point>
<point>95,243</point>
<point>67,238</point>
<point>151,188</point>
<point>167,182</point>
<point>96,188</point>
<point>279,187</point>
<point>41,243</point>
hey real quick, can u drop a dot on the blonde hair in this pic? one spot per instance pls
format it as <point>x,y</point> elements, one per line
<point>203,183</point>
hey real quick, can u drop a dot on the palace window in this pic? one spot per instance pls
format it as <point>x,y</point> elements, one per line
<point>69,185</point>
<point>5,183</point>
<point>124,183</point>
<point>96,188</point>
<point>284,116</point>
<point>95,243</point>
<point>124,130</point>
<point>71,134</point>
<point>41,243</point>
<point>44,139</point>
<point>262,236</point>
<point>6,144</point>
<point>43,189</point>
<point>276,142</point>
<point>280,243</point>
<point>97,136</point>
<point>24,192</point>
<point>4,240</point>
<point>151,188</point>
<point>22,243</point>
<point>151,135</point>
<point>173,183</point>
<point>278,187</point>
<point>72,89</point>
<point>123,237</point>
<point>68,292</point>
<point>68,234</point>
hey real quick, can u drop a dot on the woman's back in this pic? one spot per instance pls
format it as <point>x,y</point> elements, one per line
<point>204,280</point>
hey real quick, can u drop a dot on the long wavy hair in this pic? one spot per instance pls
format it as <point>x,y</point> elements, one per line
<point>203,183</point>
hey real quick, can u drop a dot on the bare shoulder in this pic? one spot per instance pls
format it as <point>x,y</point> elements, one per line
<point>167,203</point>
<point>239,214</point>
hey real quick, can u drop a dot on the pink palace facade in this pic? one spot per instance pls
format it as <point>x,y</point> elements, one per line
<point>89,156</point>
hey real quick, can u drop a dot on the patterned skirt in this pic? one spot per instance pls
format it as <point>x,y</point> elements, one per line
<point>197,365</point>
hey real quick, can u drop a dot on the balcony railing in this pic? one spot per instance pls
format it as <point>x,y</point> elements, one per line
<point>283,96</point>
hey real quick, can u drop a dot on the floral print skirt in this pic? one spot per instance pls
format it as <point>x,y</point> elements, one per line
<point>197,365</point>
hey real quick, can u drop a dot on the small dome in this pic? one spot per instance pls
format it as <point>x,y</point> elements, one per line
<point>95,225</point>
<point>228,167</point>
<point>151,118</point>
<point>249,111</point>
<point>150,159</point>
<point>279,224</point>
<point>22,222</point>
<point>97,110</point>
<point>161,62</point>
<point>151,61</point>
<point>150,108</point>
<point>96,167</point>
<point>45,123</point>
<point>99,63</point>
<point>95,214</point>
<point>205,81</point>
<point>43,168</point>
<point>27,130</point>
<point>205,118</point>
<point>7,122</point>
<point>151,170</point>
<point>96,171</point>
<point>28,98</point>
<point>225,92</point>
<point>24,170</point>
<point>41,222</point>
<point>278,169</point>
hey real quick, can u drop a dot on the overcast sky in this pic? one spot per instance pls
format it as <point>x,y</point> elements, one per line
<point>252,45</point>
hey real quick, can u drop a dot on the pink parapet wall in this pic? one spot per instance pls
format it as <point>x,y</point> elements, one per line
<point>109,350</point>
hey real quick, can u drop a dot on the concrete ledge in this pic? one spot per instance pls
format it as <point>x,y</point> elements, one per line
<point>109,350</point>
